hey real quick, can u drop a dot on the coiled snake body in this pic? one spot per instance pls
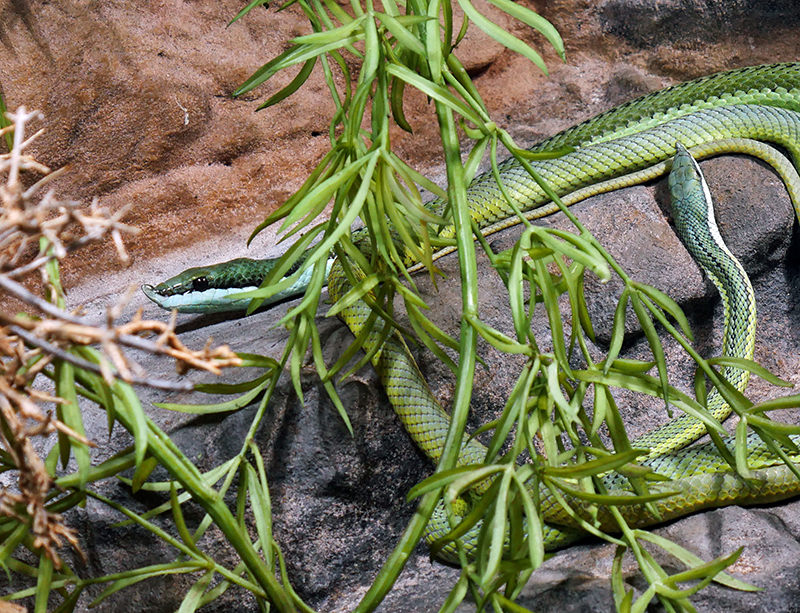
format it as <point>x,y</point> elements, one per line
<point>728,112</point>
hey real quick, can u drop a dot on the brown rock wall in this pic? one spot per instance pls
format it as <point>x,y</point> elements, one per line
<point>137,98</point>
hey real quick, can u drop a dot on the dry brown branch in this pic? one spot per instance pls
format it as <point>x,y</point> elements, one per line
<point>34,231</point>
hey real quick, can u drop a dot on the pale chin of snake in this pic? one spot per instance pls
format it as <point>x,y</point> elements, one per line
<point>735,111</point>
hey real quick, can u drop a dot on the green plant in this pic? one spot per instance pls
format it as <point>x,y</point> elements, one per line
<point>413,44</point>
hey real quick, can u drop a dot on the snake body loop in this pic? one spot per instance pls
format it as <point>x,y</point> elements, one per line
<point>632,143</point>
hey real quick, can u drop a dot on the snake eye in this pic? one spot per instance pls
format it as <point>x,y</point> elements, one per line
<point>200,284</point>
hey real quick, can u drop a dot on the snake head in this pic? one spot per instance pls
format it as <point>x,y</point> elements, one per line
<point>210,289</point>
<point>215,289</point>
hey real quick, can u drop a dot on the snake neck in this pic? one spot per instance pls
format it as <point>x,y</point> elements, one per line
<point>695,223</point>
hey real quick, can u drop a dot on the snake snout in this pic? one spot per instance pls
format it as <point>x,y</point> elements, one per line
<point>150,292</point>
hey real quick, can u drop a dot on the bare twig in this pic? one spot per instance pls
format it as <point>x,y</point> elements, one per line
<point>81,331</point>
<point>34,231</point>
<point>36,341</point>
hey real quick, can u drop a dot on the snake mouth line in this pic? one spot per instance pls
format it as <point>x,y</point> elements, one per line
<point>222,299</point>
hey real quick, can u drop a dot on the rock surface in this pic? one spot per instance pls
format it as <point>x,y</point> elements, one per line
<point>138,102</point>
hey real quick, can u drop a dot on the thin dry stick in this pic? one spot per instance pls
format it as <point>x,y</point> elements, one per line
<point>31,343</point>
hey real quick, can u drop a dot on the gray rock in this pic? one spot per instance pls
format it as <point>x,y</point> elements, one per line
<point>648,23</point>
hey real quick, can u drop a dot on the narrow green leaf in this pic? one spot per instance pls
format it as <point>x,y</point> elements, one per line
<point>142,473</point>
<point>437,92</point>
<point>401,34</point>
<point>44,579</point>
<point>690,559</point>
<point>141,574</point>
<point>669,305</point>
<point>468,522</point>
<point>514,410</point>
<point>774,427</point>
<point>254,360</point>
<point>595,467</point>
<point>440,480</point>
<point>475,157</point>
<point>631,367</point>
<point>600,409</point>
<point>71,601</point>
<point>71,415</point>
<point>293,86</point>
<point>355,294</point>
<point>655,343</point>
<point>456,595</point>
<point>740,449</point>
<point>373,55</point>
<point>4,123</point>
<point>328,37</point>
<point>232,388</point>
<point>583,309</point>
<point>125,401</point>
<point>338,13</point>
<point>247,9</point>
<point>191,601</point>
<point>750,366</point>
<point>705,572</point>
<point>462,32</point>
<point>497,339</point>
<point>433,43</point>
<point>269,69</point>
<point>550,297</point>
<point>398,113</point>
<point>428,334</point>
<point>535,538</point>
<point>499,526</point>
<point>509,605</point>
<point>609,500</point>
<point>516,294</point>
<point>576,248</point>
<point>550,154</point>
<point>259,502</point>
<point>209,409</point>
<point>534,20</point>
<point>785,402</point>
<point>319,362</point>
<point>411,177</point>
<point>618,329</point>
<point>180,522</point>
<point>501,36</point>
<point>12,541</point>
<point>622,597</point>
<point>652,387</point>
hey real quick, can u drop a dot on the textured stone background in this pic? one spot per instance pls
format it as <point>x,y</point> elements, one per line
<point>137,97</point>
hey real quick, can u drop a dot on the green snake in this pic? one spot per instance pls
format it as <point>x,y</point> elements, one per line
<point>734,111</point>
